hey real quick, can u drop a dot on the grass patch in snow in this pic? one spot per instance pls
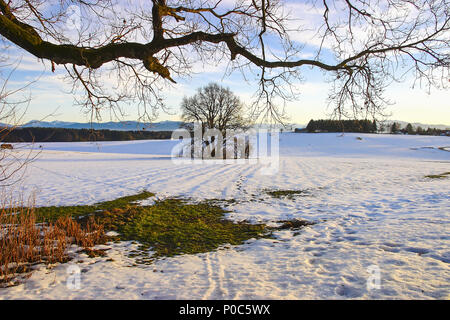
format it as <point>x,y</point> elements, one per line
<point>53,213</point>
<point>289,194</point>
<point>438,176</point>
<point>294,224</point>
<point>171,226</point>
<point>221,202</point>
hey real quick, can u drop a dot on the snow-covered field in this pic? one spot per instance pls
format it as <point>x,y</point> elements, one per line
<point>373,207</point>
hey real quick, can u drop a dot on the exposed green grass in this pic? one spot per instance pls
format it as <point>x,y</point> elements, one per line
<point>171,226</point>
<point>438,176</point>
<point>295,224</point>
<point>221,202</point>
<point>289,194</point>
<point>53,213</point>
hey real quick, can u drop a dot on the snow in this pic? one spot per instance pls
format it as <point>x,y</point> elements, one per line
<point>371,202</point>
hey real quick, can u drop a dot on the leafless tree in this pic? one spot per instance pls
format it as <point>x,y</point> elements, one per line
<point>215,107</point>
<point>126,51</point>
<point>13,106</point>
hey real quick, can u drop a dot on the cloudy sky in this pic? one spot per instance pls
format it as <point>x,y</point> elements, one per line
<point>51,100</point>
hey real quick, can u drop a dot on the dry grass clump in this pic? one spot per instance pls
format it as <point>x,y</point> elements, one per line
<point>25,242</point>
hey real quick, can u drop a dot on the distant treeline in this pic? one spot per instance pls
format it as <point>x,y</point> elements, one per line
<point>363,126</point>
<point>72,135</point>
<point>410,129</point>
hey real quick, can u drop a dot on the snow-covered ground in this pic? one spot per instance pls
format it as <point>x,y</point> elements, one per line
<point>373,206</point>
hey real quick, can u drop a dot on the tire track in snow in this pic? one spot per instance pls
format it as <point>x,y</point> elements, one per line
<point>216,277</point>
<point>240,185</point>
<point>221,176</point>
<point>211,281</point>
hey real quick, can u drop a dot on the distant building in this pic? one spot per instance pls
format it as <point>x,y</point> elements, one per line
<point>6,146</point>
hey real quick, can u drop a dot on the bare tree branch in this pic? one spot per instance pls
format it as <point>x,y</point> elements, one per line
<point>366,43</point>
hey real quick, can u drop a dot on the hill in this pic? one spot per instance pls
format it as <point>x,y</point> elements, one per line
<point>121,126</point>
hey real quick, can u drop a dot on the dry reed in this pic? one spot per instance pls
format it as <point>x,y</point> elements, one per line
<point>24,242</point>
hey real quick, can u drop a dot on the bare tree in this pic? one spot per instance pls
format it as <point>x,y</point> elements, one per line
<point>362,45</point>
<point>215,107</point>
<point>13,106</point>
